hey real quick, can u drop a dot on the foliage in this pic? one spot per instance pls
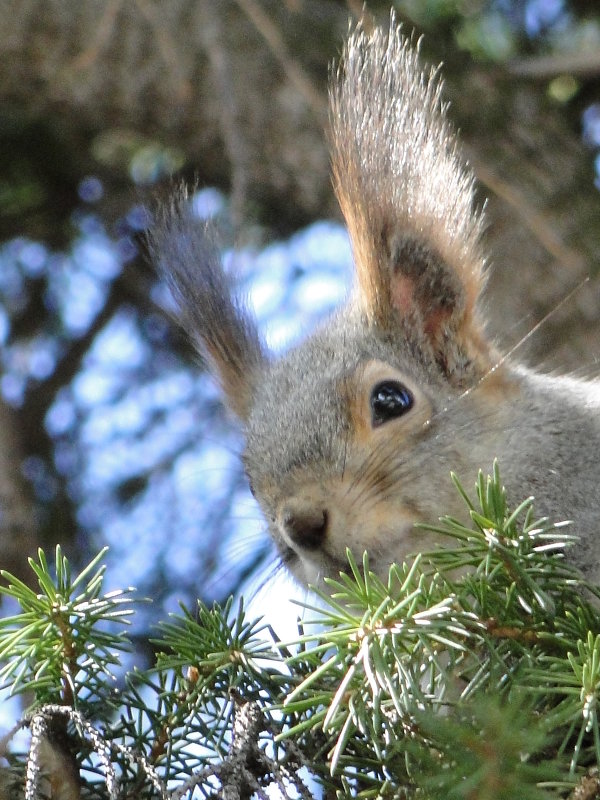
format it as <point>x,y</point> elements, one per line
<point>473,672</point>
<point>56,645</point>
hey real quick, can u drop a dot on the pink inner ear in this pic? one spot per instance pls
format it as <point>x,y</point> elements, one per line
<point>402,292</point>
<point>403,299</point>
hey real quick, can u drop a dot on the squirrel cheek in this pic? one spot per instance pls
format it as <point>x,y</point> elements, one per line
<point>389,535</point>
<point>316,525</point>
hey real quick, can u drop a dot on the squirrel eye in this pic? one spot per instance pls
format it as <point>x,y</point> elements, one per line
<point>389,399</point>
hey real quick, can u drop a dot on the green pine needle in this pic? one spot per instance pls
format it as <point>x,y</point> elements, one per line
<point>472,671</point>
<point>59,643</point>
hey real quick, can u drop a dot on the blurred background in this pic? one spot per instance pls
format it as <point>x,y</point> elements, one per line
<point>110,431</point>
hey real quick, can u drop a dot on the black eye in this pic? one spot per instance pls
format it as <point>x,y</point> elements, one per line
<point>389,399</point>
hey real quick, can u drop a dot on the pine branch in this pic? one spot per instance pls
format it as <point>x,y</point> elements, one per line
<point>472,672</point>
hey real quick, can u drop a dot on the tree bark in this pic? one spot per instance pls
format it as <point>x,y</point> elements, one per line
<point>18,525</point>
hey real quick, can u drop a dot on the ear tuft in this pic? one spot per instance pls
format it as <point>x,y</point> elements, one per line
<point>183,249</point>
<point>405,194</point>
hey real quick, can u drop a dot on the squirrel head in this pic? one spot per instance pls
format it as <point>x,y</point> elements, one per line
<point>346,441</point>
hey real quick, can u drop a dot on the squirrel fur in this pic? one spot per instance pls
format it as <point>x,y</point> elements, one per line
<point>351,435</point>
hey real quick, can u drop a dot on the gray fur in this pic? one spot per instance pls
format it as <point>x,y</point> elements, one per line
<point>324,474</point>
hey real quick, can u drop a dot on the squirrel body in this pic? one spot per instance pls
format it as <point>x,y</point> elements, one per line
<point>351,435</point>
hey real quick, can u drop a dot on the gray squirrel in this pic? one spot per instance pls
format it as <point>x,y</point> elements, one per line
<point>351,436</point>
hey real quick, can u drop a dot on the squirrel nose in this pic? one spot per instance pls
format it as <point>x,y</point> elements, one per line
<point>305,526</point>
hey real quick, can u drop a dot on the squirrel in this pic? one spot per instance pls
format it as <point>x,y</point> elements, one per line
<point>350,436</point>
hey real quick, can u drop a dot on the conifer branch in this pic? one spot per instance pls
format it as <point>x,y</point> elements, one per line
<point>473,671</point>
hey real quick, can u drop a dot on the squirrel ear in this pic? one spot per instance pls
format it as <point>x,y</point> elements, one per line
<point>435,303</point>
<point>213,316</point>
<point>407,198</point>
